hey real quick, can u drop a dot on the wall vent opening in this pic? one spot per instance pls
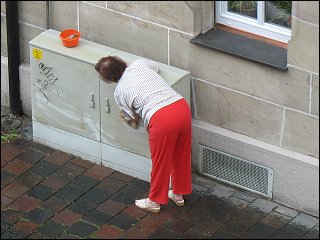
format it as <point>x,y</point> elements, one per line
<point>235,171</point>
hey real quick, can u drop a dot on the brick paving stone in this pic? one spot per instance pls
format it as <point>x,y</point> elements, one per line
<point>24,228</point>
<point>111,207</point>
<point>31,156</point>
<point>123,177</point>
<point>11,216</point>
<point>5,201</point>
<point>39,215</point>
<point>44,168</point>
<point>51,229</point>
<point>69,193</point>
<point>135,212</point>
<point>206,227</point>
<point>82,229</point>
<point>112,185</point>
<point>84,182</point>
<point>275,220</point>
<point>178,225</point>
<point>58,157</point>
<point>163,233</point>
<point>97,217</point>
<point>136,232</point>
<point>123,221</point>
<point>10,235</point>
<point>14,190</point>
<point>6,178</point>
<point>55,204</point>
<point>108,232</point>
<point>190,234</point>
<point>70,171</point>
<point>66,217</point>
<point>55,182</point>
<point>151,222</point>
<point>312,234</point>
<point>29,179</point>
<point>97,195</point>
<point>259,231</point>
<point>41,192</point>
<point>25,204</point>
<point>82,163</point>
<point>132,191</point>
<point>82,206</point>
<point>9,153</point>
<point>99,172</point>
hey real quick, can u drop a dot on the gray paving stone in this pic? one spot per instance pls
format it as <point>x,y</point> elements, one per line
<point>44,168</point>
<point>312,234</point>
<point>132,191</point>
<point>84,182</point>
<point>97,217</point>
<point>203,181</point>
<point>10,235</point>
<point>39,215</point>
<point>32,156</point>
<point>52,229</point>
<point>82,229</point>
<point>97,195</point>
<point>69,193</point>
<point>290,231</point>
<point>221,191</point>
<point>287,211</point>
<point>305,220</point>
<point>263,205</point>
<point>198,189</point>
<point>82,206</point>
<point>41,192</point>
<point>123,221</point>
<point>259,231</point>
<point>249,197</point>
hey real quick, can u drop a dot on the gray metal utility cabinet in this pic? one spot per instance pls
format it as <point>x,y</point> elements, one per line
<point>74,111</point>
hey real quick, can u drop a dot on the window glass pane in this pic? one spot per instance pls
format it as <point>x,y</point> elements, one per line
<point>279,13</point>
<point>245,8</point>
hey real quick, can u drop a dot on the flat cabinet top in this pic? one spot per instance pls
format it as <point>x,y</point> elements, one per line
<point>90,52</point>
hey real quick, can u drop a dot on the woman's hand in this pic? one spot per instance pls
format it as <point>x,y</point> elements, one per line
<point>132,122</point>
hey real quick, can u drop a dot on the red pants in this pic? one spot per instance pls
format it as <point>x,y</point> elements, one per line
<point>170,146</point>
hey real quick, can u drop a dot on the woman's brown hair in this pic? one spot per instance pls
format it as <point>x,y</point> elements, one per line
<point>111,68</point>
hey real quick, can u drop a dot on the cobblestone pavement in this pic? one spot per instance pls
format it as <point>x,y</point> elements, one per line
<point>47,193</point>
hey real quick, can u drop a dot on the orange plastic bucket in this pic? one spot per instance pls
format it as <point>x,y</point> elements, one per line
<point>70,37</point>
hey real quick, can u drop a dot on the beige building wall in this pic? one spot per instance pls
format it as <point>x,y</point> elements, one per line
<point>277,110</point>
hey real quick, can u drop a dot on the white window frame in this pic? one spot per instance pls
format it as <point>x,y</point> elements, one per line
<point>255,26</point>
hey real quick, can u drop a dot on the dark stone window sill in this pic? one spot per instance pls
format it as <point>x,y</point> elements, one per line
<point>243,47</point>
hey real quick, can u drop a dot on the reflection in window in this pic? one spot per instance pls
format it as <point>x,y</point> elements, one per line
<point>245,8</point>
<point>278,13</point>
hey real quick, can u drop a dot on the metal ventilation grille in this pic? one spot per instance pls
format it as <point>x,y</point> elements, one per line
<point>236,171</point>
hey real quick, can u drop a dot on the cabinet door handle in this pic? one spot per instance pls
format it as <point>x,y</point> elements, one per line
<point>92,103</point>
<point>107,106</point>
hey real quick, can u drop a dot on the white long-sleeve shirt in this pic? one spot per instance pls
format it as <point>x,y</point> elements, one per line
<point>142,90</point>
